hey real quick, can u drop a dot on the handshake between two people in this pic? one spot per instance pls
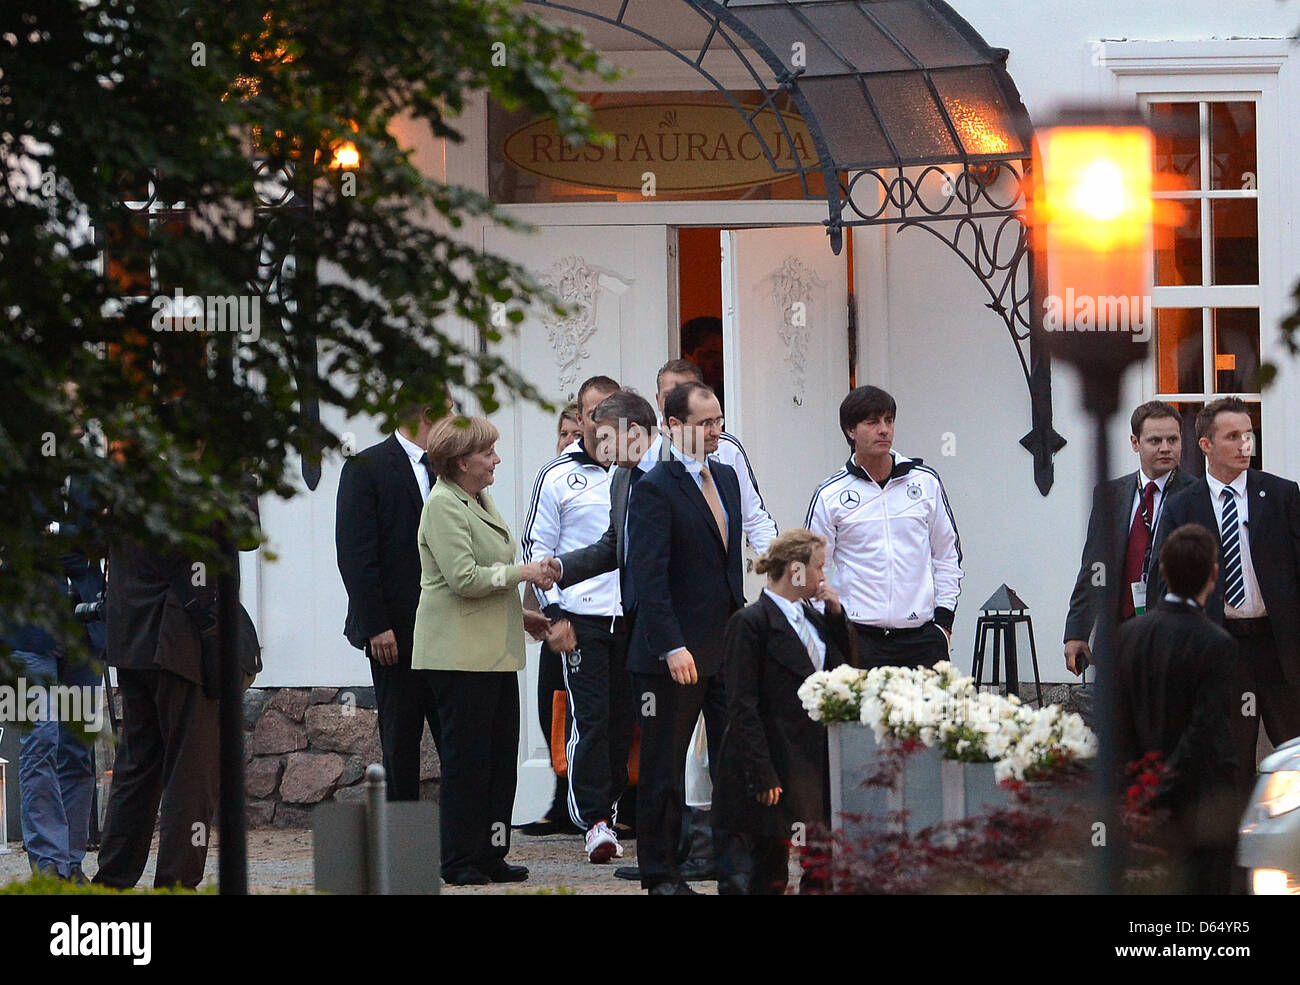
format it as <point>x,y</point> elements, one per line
<point>558,635</point>
<point>544,573</point>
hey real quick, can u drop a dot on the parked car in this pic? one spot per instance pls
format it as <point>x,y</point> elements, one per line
<point>1270,829</point>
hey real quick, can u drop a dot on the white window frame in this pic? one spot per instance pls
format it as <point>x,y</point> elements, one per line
<point>1255,70</point>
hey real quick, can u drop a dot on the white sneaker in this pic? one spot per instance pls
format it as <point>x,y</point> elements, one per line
<point>602,844</point>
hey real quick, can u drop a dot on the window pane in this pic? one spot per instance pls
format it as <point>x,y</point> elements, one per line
<point>126,257</point>
<point>1232,145</point>
<point>1192,460</point>
<point>1178,249</point>
<point>165,260</point>
<point>1178,145</point>
<point>1236,240</point>
<point>1180,351</point>
<point>1236,350</point>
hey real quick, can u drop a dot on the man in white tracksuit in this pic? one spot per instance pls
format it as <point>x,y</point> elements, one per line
<point>569,509</point>
<point>890,539</point>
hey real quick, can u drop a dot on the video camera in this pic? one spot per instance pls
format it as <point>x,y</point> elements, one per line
<point>87,612</point>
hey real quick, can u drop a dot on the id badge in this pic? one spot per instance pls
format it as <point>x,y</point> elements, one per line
<point>1139,590</point>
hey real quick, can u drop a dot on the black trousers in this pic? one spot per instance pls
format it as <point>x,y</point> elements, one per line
<point>166,771</point>
<point>668,714</point>
<point>404,704</point>
<point>1277,701</point>
<point>550,678</point>
<point>479,712</point>
<point>922,646</point>
<point>763,864</point>
<point>603,711</point>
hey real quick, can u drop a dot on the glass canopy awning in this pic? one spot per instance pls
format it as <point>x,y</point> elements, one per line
<point>914,119</point>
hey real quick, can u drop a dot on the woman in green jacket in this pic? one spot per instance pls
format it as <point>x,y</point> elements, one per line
<point>469,646</point>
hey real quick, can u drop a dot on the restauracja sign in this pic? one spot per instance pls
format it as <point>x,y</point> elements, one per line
<point>690,148</point>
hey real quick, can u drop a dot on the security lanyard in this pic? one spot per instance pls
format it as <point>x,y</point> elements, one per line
<point>1149,523</point>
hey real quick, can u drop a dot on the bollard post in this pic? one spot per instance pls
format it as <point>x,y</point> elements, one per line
<point>376,831</point>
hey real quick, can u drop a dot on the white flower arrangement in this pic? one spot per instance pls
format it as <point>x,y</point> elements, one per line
<point>1050,739</point>
<point>942,705</point>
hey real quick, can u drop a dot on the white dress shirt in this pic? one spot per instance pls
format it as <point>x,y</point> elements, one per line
<point>414,452</point>
<point>803,629</point>
<point>1157,501</point>
<point>693,469</point>
<point>1253,606</point>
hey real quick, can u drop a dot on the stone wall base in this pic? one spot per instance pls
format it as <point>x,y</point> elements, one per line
<point>304,746</point>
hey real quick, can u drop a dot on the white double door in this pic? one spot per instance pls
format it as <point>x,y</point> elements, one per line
<point>786,341</point>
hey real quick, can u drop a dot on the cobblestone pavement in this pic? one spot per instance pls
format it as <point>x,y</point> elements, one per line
<point>281,862</point>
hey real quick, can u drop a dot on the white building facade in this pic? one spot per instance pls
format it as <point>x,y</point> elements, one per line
<point>896,308</point>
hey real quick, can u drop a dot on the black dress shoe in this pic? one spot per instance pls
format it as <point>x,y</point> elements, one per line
<point>672,889</point>
<point>632,873</point>
<point>465,877</point>
<point>546,827</point>
<point>502,872</point>
<point>698,870</point>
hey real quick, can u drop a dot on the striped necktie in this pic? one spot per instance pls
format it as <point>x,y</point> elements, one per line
<point>804,629</point>
<point>1234,581</point>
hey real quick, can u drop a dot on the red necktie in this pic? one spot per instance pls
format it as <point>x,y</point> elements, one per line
<point>1139,540</point>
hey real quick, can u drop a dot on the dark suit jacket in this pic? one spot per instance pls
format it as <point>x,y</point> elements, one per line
<point>1107,544</point>
<point>610,551</point>
<point>770,740</point>
<point>1273,530</point>
<point>148,628</point>
<point>687,586</point>
<point>376,525</point>
<point>1174,695</point>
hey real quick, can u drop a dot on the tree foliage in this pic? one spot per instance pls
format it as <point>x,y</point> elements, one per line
<point>232,111</point>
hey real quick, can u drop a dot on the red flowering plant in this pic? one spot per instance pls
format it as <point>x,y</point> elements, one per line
<point>1145,777</point>
<point>1042,841</point>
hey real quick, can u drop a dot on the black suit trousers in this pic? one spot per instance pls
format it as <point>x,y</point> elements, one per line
<point>479,712</point>
<point>404,704</point>
<point>1277,702</point>
<point>923,646</point>
<point>669,712</point>
<point>168,756</point>
<point>604,718</point>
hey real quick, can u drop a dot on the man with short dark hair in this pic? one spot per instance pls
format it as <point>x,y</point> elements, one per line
<point>1125,514</point>
<point>755,521</point>
<point>1174,696</point>
<point>377,519</point>
<point>1256,596</point>
<point>569,509</point>
<point>702,345</point>
<point>685,559</point>
<point>891,538</point>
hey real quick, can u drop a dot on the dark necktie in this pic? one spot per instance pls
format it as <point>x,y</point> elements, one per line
<point>1139,542</point>
<point>1234,580</point>
<point>424,461</point>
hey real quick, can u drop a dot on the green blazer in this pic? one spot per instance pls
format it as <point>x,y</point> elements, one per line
<point>469,616</point>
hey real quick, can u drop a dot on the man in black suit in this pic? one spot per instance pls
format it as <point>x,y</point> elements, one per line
<point>381,494</point>
<point>626,426</point>
<point>1125,514</point>
<point>1174,695</point>
<point>168,754</point>
<point>1256,598</point>
<point>684,552</point>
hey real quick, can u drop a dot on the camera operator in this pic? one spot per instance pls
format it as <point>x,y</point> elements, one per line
<point>56,773</point>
